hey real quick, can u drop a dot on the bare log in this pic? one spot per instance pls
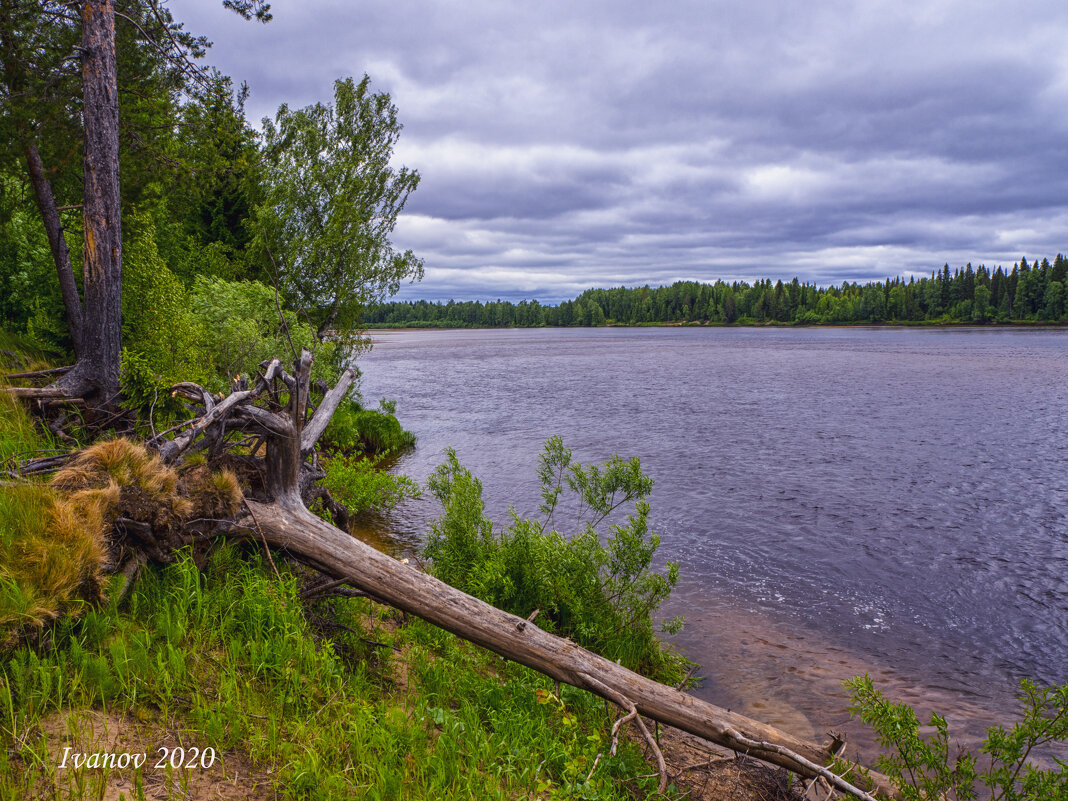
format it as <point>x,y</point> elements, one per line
<point>310,540</point>
<point>51,392</point>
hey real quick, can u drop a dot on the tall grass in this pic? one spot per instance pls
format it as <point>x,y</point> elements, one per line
<point>50,549</point>
<point>229,658</point>
<point>51,552</point>
<point>18,435</point>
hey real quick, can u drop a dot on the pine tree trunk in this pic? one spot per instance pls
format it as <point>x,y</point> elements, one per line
<point>102,327</point>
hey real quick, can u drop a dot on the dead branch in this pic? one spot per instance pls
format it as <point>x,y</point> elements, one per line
<point>760,749</point>
<point>625,703</point>
<point>40,373</point>
<point>51,392</point>
<point>317,425</point>
<point>41,465</point>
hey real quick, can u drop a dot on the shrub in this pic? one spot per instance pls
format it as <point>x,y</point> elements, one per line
<point>923,770</point>
<point>357,482</point>
<point>144,389</point>
<point>158,328</point>
<point>601,595</point>
<point>241,327</point>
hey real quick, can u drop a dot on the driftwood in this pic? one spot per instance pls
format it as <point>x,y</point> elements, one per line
<point>279,518</point>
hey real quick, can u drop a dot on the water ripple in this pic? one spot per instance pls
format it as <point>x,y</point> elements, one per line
<point>899,492</point>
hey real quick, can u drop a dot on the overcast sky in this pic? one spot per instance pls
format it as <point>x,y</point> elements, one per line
<point>565,145</point>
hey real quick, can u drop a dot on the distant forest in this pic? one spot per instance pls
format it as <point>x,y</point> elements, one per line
<point>1030,293</point>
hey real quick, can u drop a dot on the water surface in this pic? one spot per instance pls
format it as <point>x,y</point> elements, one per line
<point>840,500</point>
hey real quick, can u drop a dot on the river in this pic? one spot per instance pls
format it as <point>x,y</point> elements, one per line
<point>840,500</point>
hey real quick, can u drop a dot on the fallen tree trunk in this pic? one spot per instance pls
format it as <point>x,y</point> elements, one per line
<point>282,520</point>
<point>312,541</point>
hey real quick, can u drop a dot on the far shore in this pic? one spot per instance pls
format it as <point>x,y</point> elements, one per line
<point>1007,326</point>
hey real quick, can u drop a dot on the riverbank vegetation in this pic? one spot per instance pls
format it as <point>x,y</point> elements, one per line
<point>267,683</point>
<point>218,663</point>
<point>923,764</point>
<point>601,594</point>
<point>1026,294</point>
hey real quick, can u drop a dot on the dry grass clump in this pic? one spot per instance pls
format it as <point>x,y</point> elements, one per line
<point>214,495</point>
<point>51,556</point>
<point>53,539</point>
<point>122,479</point>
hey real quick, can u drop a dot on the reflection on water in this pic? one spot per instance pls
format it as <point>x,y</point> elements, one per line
<point>841,500</point>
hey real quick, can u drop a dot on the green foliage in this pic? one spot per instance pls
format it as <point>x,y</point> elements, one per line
<point>359,483</point>
<point>332,201</point>
<point>600,489</point>
<point>354,429</point>
<point>157,324</point>
<point>209,333</point>
<point>924,770</point>
<point>143,389</point>
<point>218,151</point>
<point>29,293</point>
<point>228,658</point>
<point>242,327</point>
<point>602,595</point>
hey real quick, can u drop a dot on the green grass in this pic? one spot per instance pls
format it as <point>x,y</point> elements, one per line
<point>19,438</point>
<point>370,431</point>
<point>227,659</point>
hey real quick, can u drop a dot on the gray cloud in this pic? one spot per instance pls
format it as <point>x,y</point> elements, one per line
<point>568,145</point>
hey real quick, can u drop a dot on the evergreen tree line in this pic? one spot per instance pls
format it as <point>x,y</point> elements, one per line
<point>1029,293</point>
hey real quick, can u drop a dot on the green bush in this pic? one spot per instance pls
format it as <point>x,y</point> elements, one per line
<point>241,327</point>
<point>923,770</point>
<point>159,332</point>
<point>354,429</point>
<point>143,389</point>
<point>356,481</point>
<point>601,595</point>
<point>211,333</point>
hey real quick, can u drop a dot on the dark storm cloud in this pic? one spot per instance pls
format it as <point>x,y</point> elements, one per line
<point>565,145</point>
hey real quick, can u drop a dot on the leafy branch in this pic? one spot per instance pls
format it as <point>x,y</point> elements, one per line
<point>923,769</point>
